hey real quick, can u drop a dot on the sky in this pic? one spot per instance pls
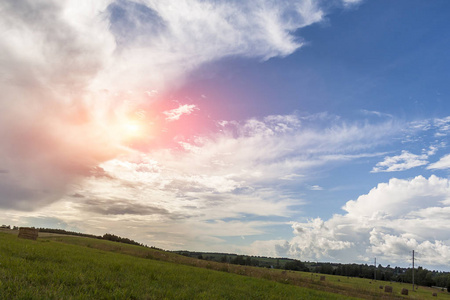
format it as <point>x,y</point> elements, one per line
<point>315,130</point>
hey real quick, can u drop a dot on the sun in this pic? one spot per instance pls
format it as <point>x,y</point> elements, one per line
<point>132,128</point>
<point>126,130</point>
<point>124,126</point>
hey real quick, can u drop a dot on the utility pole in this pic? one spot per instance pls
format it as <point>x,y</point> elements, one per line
<point>375,272</point>
<point>413,271</point>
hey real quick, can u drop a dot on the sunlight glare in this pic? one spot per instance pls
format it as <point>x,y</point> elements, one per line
<point>132,128</point>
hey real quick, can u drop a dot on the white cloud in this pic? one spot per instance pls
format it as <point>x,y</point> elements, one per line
<point>388,222</point>
<point>316,188</point>
<point>161,41</point>
<point>375,113</point>
<point>176,113</point>
<point>442,125</point>
<point>443,163</point>
<point>401,162</point>
<point>431,150</point>
<point>394,248</point>
<point>351,2</point>
<point>291,176</point>
<point>318,239</point>
<point>270,248</point>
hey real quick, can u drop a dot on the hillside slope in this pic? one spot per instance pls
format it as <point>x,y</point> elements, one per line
<point>46,269</point>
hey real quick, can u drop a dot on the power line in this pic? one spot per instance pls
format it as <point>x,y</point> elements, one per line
<point>413,269</point>
<point>375,272</point>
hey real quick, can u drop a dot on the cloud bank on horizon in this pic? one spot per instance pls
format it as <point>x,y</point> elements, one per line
<point>92,140</point>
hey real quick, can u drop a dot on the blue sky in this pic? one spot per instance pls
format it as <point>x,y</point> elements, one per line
<point>316,130</point>
<point>376,56</point>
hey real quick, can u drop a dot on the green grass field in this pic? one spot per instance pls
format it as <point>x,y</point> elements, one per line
<point>68,267</point>
<point>46,269</point>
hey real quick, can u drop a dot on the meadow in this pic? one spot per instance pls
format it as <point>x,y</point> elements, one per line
<point>46,269</point>
<point>68,267</point>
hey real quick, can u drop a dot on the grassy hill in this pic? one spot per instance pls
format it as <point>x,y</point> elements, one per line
<point>68,267</point>
<point>46,269</point>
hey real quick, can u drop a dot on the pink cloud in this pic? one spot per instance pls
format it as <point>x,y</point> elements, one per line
<point>175,114</point>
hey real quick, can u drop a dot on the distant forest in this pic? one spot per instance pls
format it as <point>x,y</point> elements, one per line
<point>422,276</point>
<point>106,236</point>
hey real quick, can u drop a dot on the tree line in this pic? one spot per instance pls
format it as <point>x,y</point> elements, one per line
<point>246,260</point>
<point>422,276</point>
<point>106,236</point>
